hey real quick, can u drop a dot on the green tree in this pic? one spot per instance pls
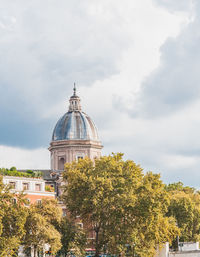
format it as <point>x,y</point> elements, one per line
<point>119,204</point>
<point>41,226</point>
<point>12,219</point>
<point>72,237</point>
<point>185,207</point>
<point>152,228</point>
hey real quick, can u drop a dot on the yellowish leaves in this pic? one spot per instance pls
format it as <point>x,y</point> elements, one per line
<point>123,205</point>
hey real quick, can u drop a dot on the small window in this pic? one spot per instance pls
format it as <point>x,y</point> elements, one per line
<point>61,163</point>
<point>39,202</point>
<point>14,200</point>
<point>37,187</point>
<point>25,186</point>
<point>12,185</point>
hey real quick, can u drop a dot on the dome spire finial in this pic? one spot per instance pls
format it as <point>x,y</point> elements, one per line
<point>74,101</point>
<point>74,89</point>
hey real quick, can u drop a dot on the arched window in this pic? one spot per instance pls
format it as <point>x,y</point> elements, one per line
<point>61,163</point>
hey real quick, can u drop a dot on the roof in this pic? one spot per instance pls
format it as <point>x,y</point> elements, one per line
<point>75,125</point>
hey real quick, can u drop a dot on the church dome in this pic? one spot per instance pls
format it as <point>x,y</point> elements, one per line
<point>75,124</point>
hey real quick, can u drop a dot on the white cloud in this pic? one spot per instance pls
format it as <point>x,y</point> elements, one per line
<point>109,48</point>
<point>24,159</point>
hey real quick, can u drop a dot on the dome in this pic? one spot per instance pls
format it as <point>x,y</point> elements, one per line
<point>75,124</point>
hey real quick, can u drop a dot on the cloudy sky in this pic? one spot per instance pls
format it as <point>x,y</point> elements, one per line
<point>136,64</point>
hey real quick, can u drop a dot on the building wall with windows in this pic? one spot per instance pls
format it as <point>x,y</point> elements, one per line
<point>33,188</point>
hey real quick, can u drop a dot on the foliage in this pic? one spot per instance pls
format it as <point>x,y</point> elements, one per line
<point>152,226</point>
<point>120,204</point>
<point>185,207</point>
<point>72,237</point>
<point>12,220</point>
<point>49,188</point>
<point>179,187</point>
<point>50,210</point>
<point>35,226</point>
<point>14,172</point>
<point>41,226</point>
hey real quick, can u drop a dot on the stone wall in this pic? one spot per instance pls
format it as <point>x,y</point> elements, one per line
<point>185,254</point>
<point>164,252</point>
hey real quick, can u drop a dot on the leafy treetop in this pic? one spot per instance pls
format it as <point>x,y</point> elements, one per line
<point>14,172</point>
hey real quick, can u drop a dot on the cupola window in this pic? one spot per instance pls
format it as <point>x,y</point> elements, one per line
<point>61,163</point>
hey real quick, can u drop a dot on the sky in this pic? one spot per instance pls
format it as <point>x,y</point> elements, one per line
<point>136,66</point>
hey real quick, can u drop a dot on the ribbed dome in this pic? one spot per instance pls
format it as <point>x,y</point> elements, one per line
<point>75,125</point>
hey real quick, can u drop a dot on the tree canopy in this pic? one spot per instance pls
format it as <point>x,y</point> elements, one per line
<point>16,173</point>
<point>123,208</point>
<point>12,219</point>
<point>185,207</point>
<point>72,237</point>
<point>41,227</point>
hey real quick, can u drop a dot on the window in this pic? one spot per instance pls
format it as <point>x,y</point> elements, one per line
<point>61,163</point>
<point>39,202</point>
<point>12,185</point>
<point>25,186</point>
<point>14,200</point>
<point>37,187</point>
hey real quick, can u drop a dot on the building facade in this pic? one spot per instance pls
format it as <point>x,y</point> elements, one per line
<point>35,189</point>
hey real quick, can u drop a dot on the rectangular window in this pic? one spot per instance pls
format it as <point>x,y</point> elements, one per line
<point>25,186</point>
<point>39,201</point>
<point>12,185</point>
<point>14,200</point>
<point>37,187</point>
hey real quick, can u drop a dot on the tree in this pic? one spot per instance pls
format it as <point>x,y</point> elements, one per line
<point>72,237</point>
<point>41,226</point>
<point>153,228</point>
<point>119,204</point>
<point>185,207</point>
<point>12,219</point>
